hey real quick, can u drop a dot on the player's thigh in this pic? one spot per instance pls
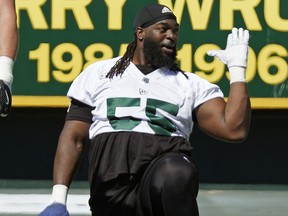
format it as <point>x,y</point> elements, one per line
<point>170,181</point>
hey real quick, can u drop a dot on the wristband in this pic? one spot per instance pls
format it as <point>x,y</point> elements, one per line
<point>237,74</point>
<point>6,68</point>
<point>59,194</point>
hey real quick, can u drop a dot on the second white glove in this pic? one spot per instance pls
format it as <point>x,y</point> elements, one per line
<point>236,51</point>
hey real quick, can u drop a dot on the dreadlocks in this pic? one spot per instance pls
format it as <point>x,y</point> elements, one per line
<point>121,65</point>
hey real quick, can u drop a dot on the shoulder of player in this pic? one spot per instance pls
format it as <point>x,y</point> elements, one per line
<point>99,68</point>
<point>192,77</point>
<point>196,82</point>
<point>103,63</point>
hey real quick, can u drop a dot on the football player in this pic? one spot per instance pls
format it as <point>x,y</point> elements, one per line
<point>138,111</point>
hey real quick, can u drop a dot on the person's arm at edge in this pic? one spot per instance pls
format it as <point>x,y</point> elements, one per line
<point>8,53</point>
<point>9,31</point>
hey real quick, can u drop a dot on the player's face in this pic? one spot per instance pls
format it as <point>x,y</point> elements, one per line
<point>160,43</point>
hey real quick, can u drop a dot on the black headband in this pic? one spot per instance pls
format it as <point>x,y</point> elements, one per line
<point>151,14</point>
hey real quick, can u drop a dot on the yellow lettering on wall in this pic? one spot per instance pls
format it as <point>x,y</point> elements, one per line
<point>42,56</point>
<point>78,7</point>
<point>184,57</point>
<point>272,68</point>
<point>66,70</point>
<point>213,70</point>
<point>247,10</point>
<point>199,14</point>
<point>34,11</point>
<point>272,15</point>
<point>104,50</point>
<point>115,14</point>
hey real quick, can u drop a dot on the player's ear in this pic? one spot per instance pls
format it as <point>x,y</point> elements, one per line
<point>139,33</point>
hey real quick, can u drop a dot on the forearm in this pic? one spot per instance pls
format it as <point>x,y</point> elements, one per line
<point>66,162</point>
<point>9,42</point>
<point>238,111</point>
<point>70,147</point>
<point>9,30</point>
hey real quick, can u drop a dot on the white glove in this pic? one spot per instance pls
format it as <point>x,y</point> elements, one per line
<point>235,55</point>
<point>236,52</point>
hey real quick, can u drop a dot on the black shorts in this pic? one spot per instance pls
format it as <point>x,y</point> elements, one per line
<point>130,195</point>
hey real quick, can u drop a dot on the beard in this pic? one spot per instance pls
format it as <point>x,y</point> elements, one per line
<point>156,57</point>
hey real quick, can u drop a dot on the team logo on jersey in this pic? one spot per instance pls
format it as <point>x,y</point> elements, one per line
<point>142,91</point>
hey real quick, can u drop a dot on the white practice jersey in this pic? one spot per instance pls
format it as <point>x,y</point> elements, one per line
<point>160,102</point>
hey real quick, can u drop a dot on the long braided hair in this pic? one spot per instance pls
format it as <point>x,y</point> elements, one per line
<point>121,65</point>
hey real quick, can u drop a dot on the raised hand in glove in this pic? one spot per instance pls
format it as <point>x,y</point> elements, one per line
<point>5,99</point>
<point>235,54</point>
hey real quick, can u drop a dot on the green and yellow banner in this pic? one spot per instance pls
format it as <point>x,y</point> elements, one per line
<point>59,38</point>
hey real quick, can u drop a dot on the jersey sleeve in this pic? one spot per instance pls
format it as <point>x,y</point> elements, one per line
<point>203,90</point>
<point>79,111</point>
<point>209,93</point>
<point>85,86</point>
<point>79,89</point>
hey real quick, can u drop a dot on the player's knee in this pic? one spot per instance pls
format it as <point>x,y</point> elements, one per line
<point>170,187</point>
<point>175,174</point>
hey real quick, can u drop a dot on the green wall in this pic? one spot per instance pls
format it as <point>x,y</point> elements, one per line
<point>29,139</point>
